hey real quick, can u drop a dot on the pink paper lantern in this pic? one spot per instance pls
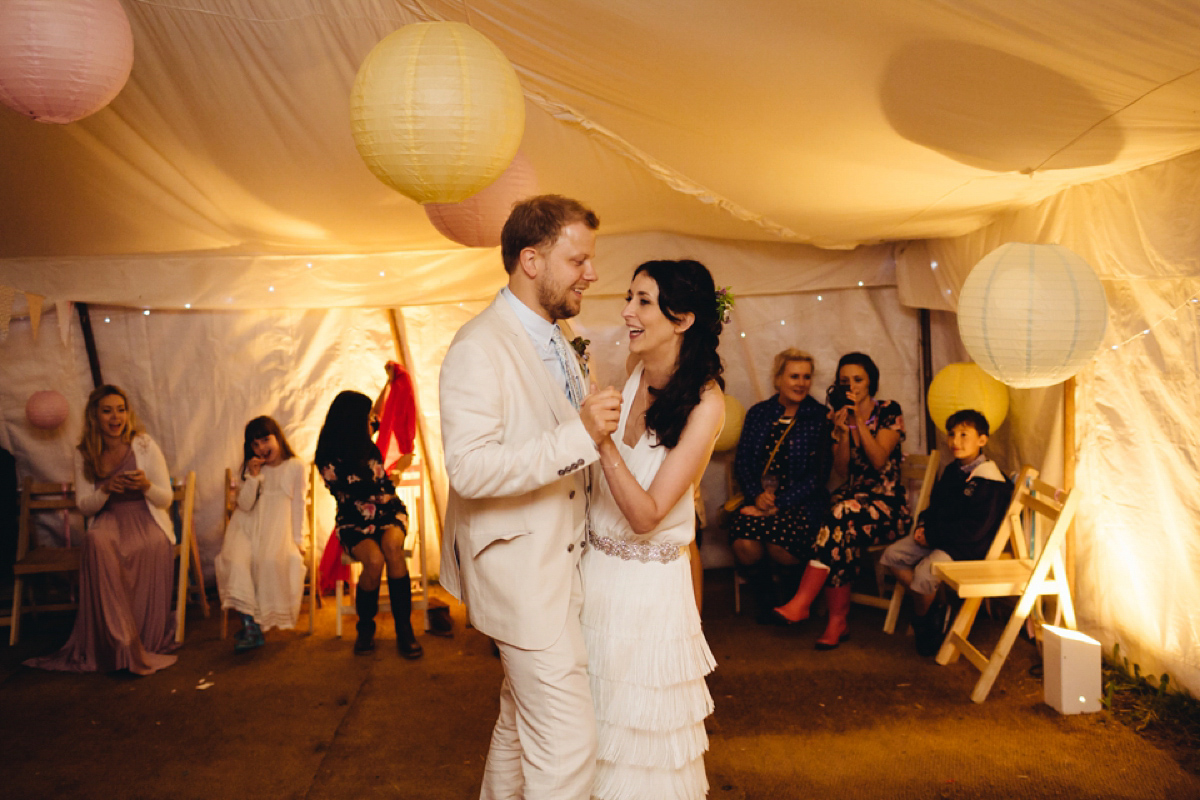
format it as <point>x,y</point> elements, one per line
<point>46,410</point>
<point>477,221</point>
<point>61,60</point>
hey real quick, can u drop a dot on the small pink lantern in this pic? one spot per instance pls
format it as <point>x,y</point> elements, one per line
<point>46,409</point>
<point>478,220</point>
<point>61,60</point>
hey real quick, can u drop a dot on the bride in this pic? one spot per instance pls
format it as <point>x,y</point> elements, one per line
<point>647,656</point>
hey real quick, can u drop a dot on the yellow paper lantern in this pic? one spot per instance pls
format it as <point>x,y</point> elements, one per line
<point>735,415</point>
<point>437,111</point>
<point>1032,314</point>
<point>961,386</point>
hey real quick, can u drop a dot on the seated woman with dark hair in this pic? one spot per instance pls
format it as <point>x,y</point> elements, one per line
<point>869,508</point>
<point>127,566</point>
<point>782,464</point>
<point>371,518</point>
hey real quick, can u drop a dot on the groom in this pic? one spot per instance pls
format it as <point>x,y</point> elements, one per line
<point>519,432</point>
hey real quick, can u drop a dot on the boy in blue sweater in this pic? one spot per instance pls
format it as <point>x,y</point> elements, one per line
<point>966,507</point>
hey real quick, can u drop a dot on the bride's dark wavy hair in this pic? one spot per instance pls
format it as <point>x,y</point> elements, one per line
<point>685,287</point>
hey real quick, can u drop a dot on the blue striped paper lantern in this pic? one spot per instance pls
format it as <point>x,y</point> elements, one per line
<point>1032,314</point>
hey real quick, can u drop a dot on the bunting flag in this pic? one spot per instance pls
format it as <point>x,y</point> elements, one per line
<point>63,309</point>
<point>34,301</point>
<point>7,293</point>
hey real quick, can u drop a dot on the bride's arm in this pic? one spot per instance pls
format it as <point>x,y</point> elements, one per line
<point>643,508</point>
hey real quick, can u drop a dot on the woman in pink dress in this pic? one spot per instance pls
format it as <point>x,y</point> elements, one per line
<point>127,567</point>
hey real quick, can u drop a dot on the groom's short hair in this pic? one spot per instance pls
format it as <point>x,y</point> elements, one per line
<point>537,222</point>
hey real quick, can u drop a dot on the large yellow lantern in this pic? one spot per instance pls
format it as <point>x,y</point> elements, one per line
<point>961,386</point>
<point>437,111</point>
<point>735,415</point>
<point>1032,314</point>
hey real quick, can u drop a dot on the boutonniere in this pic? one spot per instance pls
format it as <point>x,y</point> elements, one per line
<point>580,345</point>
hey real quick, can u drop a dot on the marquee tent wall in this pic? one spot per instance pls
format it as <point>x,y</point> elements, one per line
<point>221,192</point>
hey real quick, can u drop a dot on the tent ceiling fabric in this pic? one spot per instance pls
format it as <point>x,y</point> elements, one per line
<point>806,123</point>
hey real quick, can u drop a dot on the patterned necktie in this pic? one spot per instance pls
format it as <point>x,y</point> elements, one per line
<point>574,385</point>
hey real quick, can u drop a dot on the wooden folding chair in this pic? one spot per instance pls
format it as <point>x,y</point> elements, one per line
<point>38,498</point>
<point>411,489</point>
<point>310,543</point>
<point>187,551</point>
<point>918,473</point>
<point>1026,578</point>
<point>41,498</point>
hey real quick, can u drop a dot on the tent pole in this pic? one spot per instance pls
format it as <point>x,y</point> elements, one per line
<point>398,345</point>
<point>89,343</point>
<point>927,377</point>
<point>1069,471</point>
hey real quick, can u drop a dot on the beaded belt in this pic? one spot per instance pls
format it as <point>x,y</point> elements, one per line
<point>635,551</point>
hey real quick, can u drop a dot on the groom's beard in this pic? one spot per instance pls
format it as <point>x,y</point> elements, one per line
<point>558,301</point>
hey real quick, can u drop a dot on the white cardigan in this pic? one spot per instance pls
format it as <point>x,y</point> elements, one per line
<point>149,458</point>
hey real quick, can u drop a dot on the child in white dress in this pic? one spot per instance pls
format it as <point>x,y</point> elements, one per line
<point>260,570</point>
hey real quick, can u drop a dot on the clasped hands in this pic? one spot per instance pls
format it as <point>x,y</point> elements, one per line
<point>764,505</point>
<point>601,412</point>
<point>131,481</point>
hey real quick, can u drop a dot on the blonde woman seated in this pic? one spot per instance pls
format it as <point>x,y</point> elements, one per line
<point>782,465</point>
<point>127,568</point>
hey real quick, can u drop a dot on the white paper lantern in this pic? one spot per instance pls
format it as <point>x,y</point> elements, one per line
<point>957,387</point>
<point>46,410</point>
<point>437,111</point>
<point>61,60</point>
<point>478,220</point>
<point>1032,314</point>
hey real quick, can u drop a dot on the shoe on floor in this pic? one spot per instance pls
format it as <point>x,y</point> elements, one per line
<point>410,649</point>
<point>248,639</point>
<point>364,643</point>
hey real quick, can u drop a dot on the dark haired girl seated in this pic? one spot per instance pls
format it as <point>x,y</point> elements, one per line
<point>371,518</point>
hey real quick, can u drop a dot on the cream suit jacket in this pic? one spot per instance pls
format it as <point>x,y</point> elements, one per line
<point>516,458</point>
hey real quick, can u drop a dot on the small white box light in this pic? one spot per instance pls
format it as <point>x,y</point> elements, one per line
<point>1071,670</point>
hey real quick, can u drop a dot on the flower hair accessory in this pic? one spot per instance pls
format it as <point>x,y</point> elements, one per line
<point>725,300</point>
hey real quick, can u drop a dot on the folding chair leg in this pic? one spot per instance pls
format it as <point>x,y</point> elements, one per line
<point>893,614</point>
<point>182,595</point>
<point>14,629</point>
<point>962,625</point>
<point>198,576</point>
<point>338,606</point>
<point>984,685</point>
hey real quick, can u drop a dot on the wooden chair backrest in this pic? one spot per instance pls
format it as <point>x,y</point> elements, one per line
<point>39,497</point>
<point>919,472</point>
<point>1030,497</point>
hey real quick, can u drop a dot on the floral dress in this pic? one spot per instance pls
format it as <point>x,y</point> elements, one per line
<point>366,500</point>
<point>869,508</point>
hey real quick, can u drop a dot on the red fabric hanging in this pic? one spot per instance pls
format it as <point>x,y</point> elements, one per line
<point>398,419</point>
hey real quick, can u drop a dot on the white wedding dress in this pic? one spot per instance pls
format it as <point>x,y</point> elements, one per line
<point>647,656</point>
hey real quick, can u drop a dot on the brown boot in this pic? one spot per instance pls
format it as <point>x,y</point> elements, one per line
<point>836,632</point>
<point>797,609</point>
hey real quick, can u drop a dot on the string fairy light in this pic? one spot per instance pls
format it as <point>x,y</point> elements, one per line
<point>1191,301</point>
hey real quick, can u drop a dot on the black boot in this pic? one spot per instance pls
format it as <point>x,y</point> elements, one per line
<point>400,593</point>
<point>367,604</point>
<point>760,585</point>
